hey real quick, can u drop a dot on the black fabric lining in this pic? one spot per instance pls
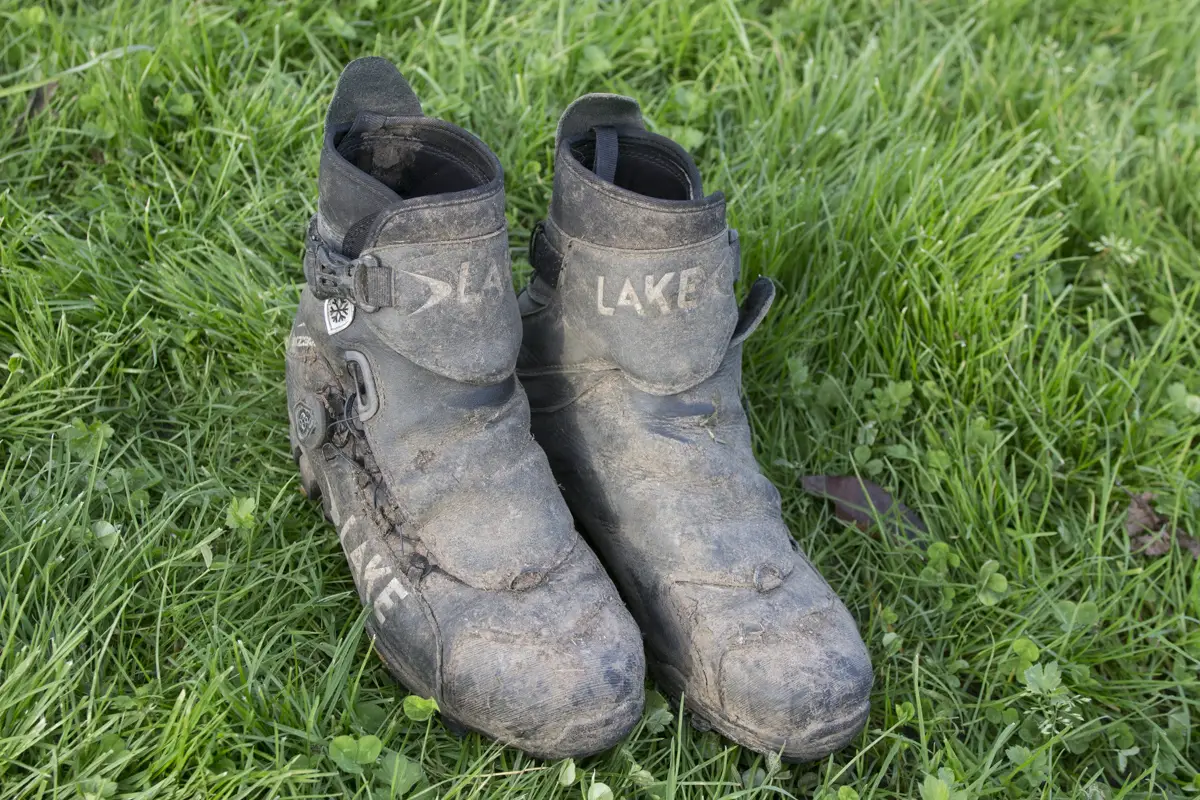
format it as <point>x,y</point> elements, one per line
<point>418,168</point>
<point>478,171</point>
<point>669,182</point>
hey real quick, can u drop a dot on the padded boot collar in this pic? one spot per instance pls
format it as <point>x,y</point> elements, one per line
<point>389,174</point>
<point>653,200</point>
<point>409,248</point>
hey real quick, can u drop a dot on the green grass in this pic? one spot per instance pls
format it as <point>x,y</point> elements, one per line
<point>998,202</point>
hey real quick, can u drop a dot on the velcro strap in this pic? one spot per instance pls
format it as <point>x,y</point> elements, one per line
<point>415,277</point>
<point>681,298</point>
<point>374,286</point>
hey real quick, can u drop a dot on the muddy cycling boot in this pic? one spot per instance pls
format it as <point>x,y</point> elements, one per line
<point>632,361</point>
<point>409,424</point>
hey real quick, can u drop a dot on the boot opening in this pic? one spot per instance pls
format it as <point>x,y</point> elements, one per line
<point>418,159</point>
<point>648,165</point>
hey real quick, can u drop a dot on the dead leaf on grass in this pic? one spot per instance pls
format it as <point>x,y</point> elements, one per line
<point>37,103</point>
<point>1151,533</point>
<point>862,502</point>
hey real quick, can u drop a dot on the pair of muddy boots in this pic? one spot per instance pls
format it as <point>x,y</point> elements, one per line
<point>412,372</point>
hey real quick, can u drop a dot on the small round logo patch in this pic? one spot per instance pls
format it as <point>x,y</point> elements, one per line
<point>339,313</point>
<point>309,422</point>
<point>306,422</point>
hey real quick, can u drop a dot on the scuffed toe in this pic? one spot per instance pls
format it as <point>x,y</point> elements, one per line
<point>573,694</point>
<point>805,697</point>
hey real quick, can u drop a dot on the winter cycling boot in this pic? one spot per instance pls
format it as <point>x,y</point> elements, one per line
<point>409,424</point>
<point>632,361</point>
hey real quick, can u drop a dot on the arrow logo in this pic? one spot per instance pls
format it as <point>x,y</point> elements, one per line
<point>438,290</point>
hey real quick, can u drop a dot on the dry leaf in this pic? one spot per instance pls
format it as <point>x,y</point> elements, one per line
<point>1141,515</point>
<point>1150,533</point>
<point>862,502</point>
<point>37,103</point>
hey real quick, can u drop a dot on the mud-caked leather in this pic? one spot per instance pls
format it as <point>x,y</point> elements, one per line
<point>632,361</point>
<point>409,424</point>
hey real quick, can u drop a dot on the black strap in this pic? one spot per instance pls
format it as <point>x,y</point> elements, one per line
<point>544,257</point>
<point>605,163</point>
<point>356,236</point>
<point>373,286</point>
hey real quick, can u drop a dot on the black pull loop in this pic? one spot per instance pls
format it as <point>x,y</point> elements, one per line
<point>605,164</point>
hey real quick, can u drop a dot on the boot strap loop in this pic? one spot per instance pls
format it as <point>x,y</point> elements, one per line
<point>605,161</point>
<point>754,309</point>
<point>544,257</point>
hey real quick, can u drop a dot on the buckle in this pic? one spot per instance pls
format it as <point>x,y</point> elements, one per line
<point>332,275</point>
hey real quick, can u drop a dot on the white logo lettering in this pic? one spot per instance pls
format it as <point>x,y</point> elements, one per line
<point>372,571</point>
<point>685,285</point>
<point>375,570</point>
<point>603,309</point>
<point>391,594</point>
<point>464,270</point>
<point>628,297</point>
<point>438,290</point>
<point>493,283</point>
<point>654,292</point>
<point>351,520</point>
<point>358,557</point>
<point>691,286</point>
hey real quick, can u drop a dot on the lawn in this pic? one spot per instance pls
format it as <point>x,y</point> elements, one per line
<point>984,221</point>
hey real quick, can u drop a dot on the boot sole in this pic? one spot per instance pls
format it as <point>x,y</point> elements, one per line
<point>830,736</point>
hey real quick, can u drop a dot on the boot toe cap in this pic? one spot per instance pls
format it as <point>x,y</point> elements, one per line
<point>572,694</point>
<point>806,696</point>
